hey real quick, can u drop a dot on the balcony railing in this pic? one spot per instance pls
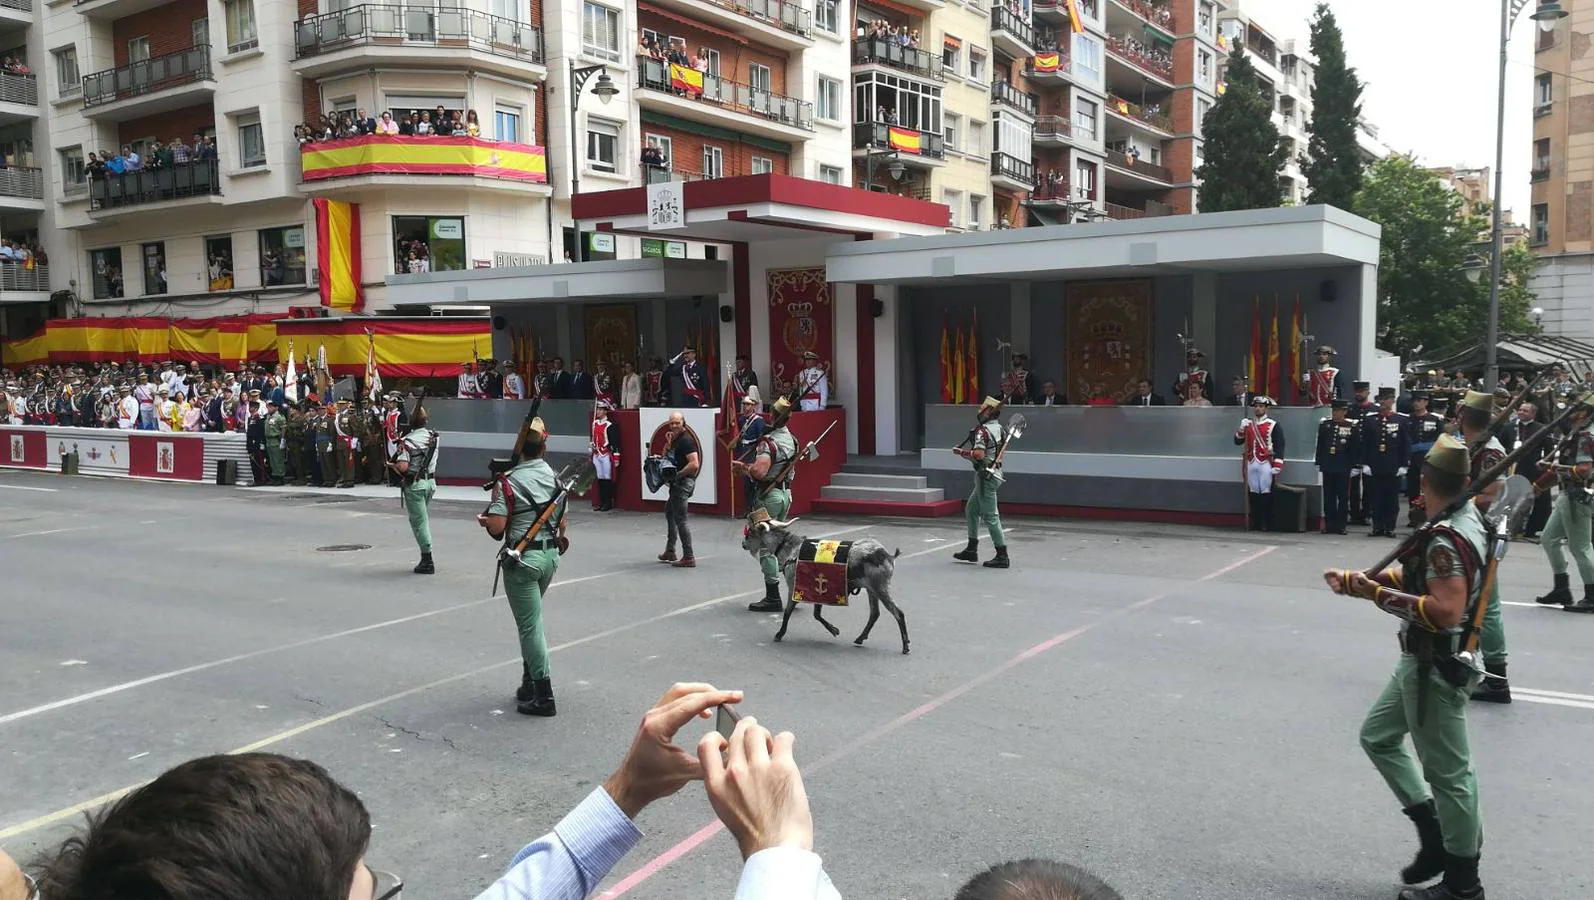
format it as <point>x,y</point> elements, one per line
<point>21,277</point>
<point>1052,189</point>
<point>24,5</point>
<point>146,76</point>
<point>21,181</point>
<point>192,179</point>
<point>890,53</point>
<point>445,28</point>
<point>1150,115</point>
<point>1153,210</point>
<point>785,16</point>
<point>1003,19</point>
<point>1140,56</point>
<point>1058,127</point>
<point>427,156</point>
<point>1004,93</point>
<point>1157,14</point>
<point>1541,170</point>
<point>721,93</point>
<point>1065,66</point>
<point>1087,7</point>
<point>1148,169</point>
<point>1005,166</point>
<point>878,136</point>
<point>22,89</point>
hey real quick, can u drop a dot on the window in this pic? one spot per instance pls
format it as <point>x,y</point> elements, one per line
<point>107,268</point>
<point>199,33</point>
<point>713,60</point>
<point>954,205</point>
<point>758,78</point>
<point>240,25</point>
<point>154,256</point>
<point>428,243</point>
<point>949,128</point>
<point>218,262</point>
<point>507,9</point>
<point>1087,58</point>
<point>1085,180</point>
<point>665,144</point>
<point>825,16</point>
<point>976,145</point>
<point>73,177</point>
<point>1207,18</point>
<point>600,31</point>
<point>67,80</point>
<point>1202,107</point>
<point>976,204</point>
<point>828,104</point>
<point>1085,117</point>
<point>603,145</point>
<point>1204,67</point>
<point>251,141</point>
<point>281,256</point>
<point>506,124</point>
<point>951,54</point>
<point>830,174</point>
<point>1541,159</point>
<point>910,102</point>
<point>138,49</point>
<point>1014,136</point>
<point>1544,90</point>
<point>1541,223</point>
<point>713,162</point>
<point>977,66</point>
<point>762,165</point>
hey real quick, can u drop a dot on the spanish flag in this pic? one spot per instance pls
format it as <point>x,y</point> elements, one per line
<point>973,389</point>
<point>686,78</point>
<point>960,373</point>
<point>904,139</point>
<point>946,361</point>
<point>337,236</point>
<point>1271,375</point>
<point>1047,62</point>
<point>1297,361</point>
<point>1074,21</point>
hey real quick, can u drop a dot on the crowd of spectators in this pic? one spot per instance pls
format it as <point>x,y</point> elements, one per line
<point>158,156</point>
<point>168,396</point>
<point>439,122</point>
<point>26,254</point>
<point>1149,55</point>
<point>14,65</point>
<point>414,257</point>
<point>882,30</point>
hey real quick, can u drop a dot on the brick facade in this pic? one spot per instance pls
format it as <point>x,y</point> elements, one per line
<point>686,152</point>
<point>163,127</point>
<point>737,56</point>
<point>170,28</point>
<point>310,97</point>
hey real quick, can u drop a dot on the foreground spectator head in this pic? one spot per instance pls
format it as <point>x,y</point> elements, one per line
<point>1036,879</point>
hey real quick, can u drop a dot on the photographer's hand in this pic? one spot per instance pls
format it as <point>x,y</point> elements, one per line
<point>654,767</point>
<point>756,788</point>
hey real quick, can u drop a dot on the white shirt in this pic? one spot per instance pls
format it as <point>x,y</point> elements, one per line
<point>816,381</point>
<point>631,391</point>
<point>785,873</point>
<point>467,385</point>
<point>514,387</point>
<point>126,413</point>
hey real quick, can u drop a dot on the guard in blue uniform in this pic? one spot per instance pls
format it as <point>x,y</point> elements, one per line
<point>1336,457</point>
<point>1426,426</point>
<point>1360,408</point>
<point>1385,454</point>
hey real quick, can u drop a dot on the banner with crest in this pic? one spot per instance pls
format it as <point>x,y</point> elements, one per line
<point>801,318</point>
<point>1107,330</point>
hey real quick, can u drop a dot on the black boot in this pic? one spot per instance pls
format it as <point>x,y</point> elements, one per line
<point>541,703</point>
<point>1494,690</point>
<point>1430,859</point>
<point>771,601</point>
<point>1001,561</point>
<point>971,553</point>
<point>425,567</point>
<point>1460,882</point>
<point>1586,605</point>
<point>1560,595</point>
<point>527,692</point>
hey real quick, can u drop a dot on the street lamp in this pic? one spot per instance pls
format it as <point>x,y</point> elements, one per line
<point>1538,317</point>
<point>605,90</point>
<point>894,168</point>
<point>1546,13</point>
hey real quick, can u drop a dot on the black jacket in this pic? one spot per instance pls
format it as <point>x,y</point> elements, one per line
<point>1152,400</point>
<point>581,387</point>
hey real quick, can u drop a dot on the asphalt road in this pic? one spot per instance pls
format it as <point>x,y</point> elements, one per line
<point>1175,709</point>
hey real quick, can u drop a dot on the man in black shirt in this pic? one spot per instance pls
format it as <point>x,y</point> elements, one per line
<point>1144,396</point>
<point>684,452</point>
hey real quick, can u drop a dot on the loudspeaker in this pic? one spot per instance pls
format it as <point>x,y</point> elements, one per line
<point>711,252</point>
<point>1328,291</point>
<point>877,308</point>
<point>69,463</point>
<point>226,471</point>
<point>1289,508</point>
<point>727,313</point>
<point>500,323</point>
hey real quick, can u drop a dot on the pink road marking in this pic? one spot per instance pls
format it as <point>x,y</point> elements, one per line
<point>700,836</point>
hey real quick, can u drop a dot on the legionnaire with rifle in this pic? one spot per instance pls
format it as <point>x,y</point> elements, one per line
<point>771,471</point>
<point>1570,519</point>
<point>415,462</point>
<point>1477,419</point>
<point>986,442</point>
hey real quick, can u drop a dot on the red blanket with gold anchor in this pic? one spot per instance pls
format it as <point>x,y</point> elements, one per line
<point>822,573</point>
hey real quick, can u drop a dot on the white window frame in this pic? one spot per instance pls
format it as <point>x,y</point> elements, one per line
<point>515,112</point>
<point>1080,105</point>
<point>955,65</point>
<point>827,16</point>
<point>760,78</point>
<point>597,128</point>
<point>71,159</point>
<point>713,161</point>
<point>976,210</point>
<point>951,131</point>
<point>243,32</point>
<point>976,144</point>
<point>138,48</point>
<point>953,201</point>
<point>1544,89</point>
<point>827,101</point>
<point>713,62</point>
<point>1202,107</point>
<point>69,80</point>
<point>594,42</point>
<point>665,143</point>
<point>831,174</point>
<point>761,165</point>
<point>979,65</point>
<point>1081,57</point>
<point>1206,67</point>
<point>242,122</point>
<point>199,28</point>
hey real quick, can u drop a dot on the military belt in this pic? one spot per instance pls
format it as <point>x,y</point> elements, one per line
<point>1439,651</point>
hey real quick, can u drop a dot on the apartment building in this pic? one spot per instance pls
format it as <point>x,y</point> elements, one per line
<point>1561,218</point>
<point>25,215</point>
<point>1286,71</point>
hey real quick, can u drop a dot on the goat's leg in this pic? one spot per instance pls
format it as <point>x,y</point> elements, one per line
<point>834,631</point>
<point>874,613</point>
<point>785,618</point>
<point>896,612</point>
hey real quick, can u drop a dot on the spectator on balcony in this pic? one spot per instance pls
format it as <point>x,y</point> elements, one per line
<point>161,156</point>
<point>179,151</point>
<point>271,268</point>
<point>442,126</point>
<point>115,164</point>
<point>220,269</point>
<point>423,125</point>
<point>653,156</point>
<point>407,125</point>
<point>131,161</point>
<point>386,125</point>
<point>208,149</point>
<point>301,135</point>
<point>364,123</point>
<point>473,125</point>
<point>346,127</point>
<point>416,264</point>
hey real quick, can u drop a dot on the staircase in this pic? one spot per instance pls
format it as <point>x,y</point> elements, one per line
<point>872,493</point>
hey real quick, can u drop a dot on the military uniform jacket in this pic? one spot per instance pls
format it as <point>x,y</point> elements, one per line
<point>521,494</point>
<point>1386,443</point>
<point>1578,448</point>
<point>275,425</point>
<point>987,437</point>
<point>753,427</point>
<point>1336,446</point>
<point>1458,546</point>
<point>1322,385</point>
<point>781,447</point>
<point>1425,429</point>
<point>1263,440</point>
<point>419,449</point>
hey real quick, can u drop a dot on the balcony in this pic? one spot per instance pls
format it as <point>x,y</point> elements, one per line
<point>107,10</point>
<point>1010,33</point>
<point>927,6</point>
<point>1152,210</point>
<point>1004,94</point>
<point>1157,15</point>
<point>1141,57</point>
<point>17,12</point>
<point>1541,169</point>
<point>379,34</point>
<point>19,98</point>
<point>21,189</point>
<point>881,52</point>
<point>1038,69</point>
<point>374,160</point>
<point>1057,10</point>
<point>1011,172</point>
<point>193,182</point>
<point>1053,192</point>
<point>1139,172</point>
<point>712,100</point>
<point>776,23</point>
<point>1057,131</point>
<point>155,85</point>
<point>912,145</point>
<point>1145,118</point>
<point>24,279</point>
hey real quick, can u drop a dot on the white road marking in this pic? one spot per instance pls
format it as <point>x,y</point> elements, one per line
<point>1552,701</point>
<point>1586,698</point>
<point>18,487</point>
<point>1532,605</point>
<point>51,531</point>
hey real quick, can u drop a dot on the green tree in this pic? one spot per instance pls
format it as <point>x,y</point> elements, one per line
<point>1517,300</point>
<point>1333,161</point>
<point>1243,150</point>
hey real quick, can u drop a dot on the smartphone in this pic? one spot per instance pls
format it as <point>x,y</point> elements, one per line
<point>725,720</point>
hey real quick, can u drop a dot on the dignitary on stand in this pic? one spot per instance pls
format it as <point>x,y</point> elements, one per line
<point>1144,396</point>
<point>1050,397</point>
<point>1425,427</point>
<point>693,379</point>
<point>514,385</point>
<point>1572,467</point>
<point>1018,385</point>
<point>743,379</point>
<point>415,463</point>
<point>685,453</point>
<point>603,385</point>
<point>771,472</point>
<point>1385,456</point>
<point>815,383</point>
<point>981,449</point>
<point>1263,455</point>
<point>605,449</point>
<point>630,386</point>
<point>1239,393</point>
<point>656,385</point>
<point>1323,384</point>
<point>468,387</point>
<point>1337,445</point>
<point>582,387</point>
<point>1194,397</point>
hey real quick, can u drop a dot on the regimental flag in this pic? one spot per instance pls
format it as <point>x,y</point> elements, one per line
<point>337,234</point>
<point>686,78</point>
<point>290,380</point>
<point>1048,62</point>
<point>1272,374</point>
<point>373,376</point>
<point>906,140</point>
<point>972,392</point>
<point>1297,360</point>
<point>1253,360</point>
<point>947,391</point>
<point>1074,20</point>
<point>960,370</point>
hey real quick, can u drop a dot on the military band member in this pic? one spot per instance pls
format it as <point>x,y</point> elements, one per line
<point>605,449</point>
<point>981,505</point>
<point>519,497</point>
<point>771,471</point>
<point>750,429</point>
<point>1385,454</point>
<point>1195,370</point>
<point>1434,591</point>
<point>1336,456</point>
<point>415,463</point>
<point>1263,441</point>
<point>1425,427</point>
<point>815,382</point>
<point>1323,384</point>
<point>1573,511</point>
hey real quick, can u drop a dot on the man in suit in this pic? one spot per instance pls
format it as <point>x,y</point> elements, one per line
<point>563,384</point>
<point>1049,396</point>
<point>693,380</point>
<point>1239,393</point>
<point>1144,396</point>
<point>581,386</point>
<point>1525,426</point>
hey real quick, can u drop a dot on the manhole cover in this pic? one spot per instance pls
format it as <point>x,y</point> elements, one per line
<point>338,500</point>
<point>342,548</point>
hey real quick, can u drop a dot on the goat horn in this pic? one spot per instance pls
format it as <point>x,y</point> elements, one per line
<point>760,527</point>
<point>776,523</point>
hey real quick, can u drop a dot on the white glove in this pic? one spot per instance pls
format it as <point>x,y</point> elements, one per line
<point>1400,472</point>
<point>1277,469</point>
<point>1367,470</point>
<point>1244,422</point>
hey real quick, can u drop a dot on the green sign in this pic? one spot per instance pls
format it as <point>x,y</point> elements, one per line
<point>653,248</point>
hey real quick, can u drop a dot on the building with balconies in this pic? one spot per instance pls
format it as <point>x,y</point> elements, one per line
<point>26,218</point>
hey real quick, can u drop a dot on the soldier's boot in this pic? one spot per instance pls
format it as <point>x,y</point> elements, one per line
<point>1460,882</point>
<point>771,601</point>
<point>1560,595</point>
<point>1586,605</point>
<point>527,691</point>
<point>425,567</point>
<point>1430,860</point>
<point>541,702</point>
<point>1001,561</point>
<point>971,553</point>
<point>1493,690</point>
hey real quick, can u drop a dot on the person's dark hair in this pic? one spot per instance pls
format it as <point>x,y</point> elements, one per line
<point>1036,879</point>
<point>255,826</point>
<point>534,447</point>
<point>1475,419</point>
<point>1444,483</point>
<point>419,419</point>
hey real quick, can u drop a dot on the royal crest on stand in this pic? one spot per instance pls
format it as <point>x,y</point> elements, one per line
<point>666,206</point>
<point>165,458</point>
<point>18,449</point>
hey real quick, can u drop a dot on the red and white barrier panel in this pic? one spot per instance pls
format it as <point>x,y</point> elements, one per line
<point>174,456</point>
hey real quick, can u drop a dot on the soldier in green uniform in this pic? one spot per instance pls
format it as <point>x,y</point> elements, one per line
<point>1475,414</point>
<point>415,461</point>
<point>1435,591</point>
<point>981,505</point>
<point>1573,513</point>
<point>771,472</point>
<point>519,498</point>
<point>294,442</point>
<point>276,425</point>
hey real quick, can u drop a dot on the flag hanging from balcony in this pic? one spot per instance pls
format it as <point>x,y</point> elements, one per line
<point>1074,20</point>
<point>686,78</point>
<point>337,237</point>
<point>904,139</point>
<point>1047,62</point>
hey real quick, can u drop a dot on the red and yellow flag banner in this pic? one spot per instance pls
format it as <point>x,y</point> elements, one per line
<point>972,389</point>
<point>1075,22</point>
<point>401,347</point>
<point>337,232</point>
<point>1271,376</point>
<point>1046,62</point>
<point>1297,361</point>
<point>905,139</point>
<point>223,340</point>
<point>686,78</point>
<point>392,154</point>
<point>946,362</point>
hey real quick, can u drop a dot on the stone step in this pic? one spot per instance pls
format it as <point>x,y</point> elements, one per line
<point>866,479</point>
<point>882,494</point>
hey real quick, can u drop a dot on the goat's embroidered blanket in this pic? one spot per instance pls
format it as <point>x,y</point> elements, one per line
<point>822,573</point>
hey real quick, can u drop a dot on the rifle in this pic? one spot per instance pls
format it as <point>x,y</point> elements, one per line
<point>791,463</point>
<point>497,467</point>
<point>1013,431</point>
<point>575,478</point>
